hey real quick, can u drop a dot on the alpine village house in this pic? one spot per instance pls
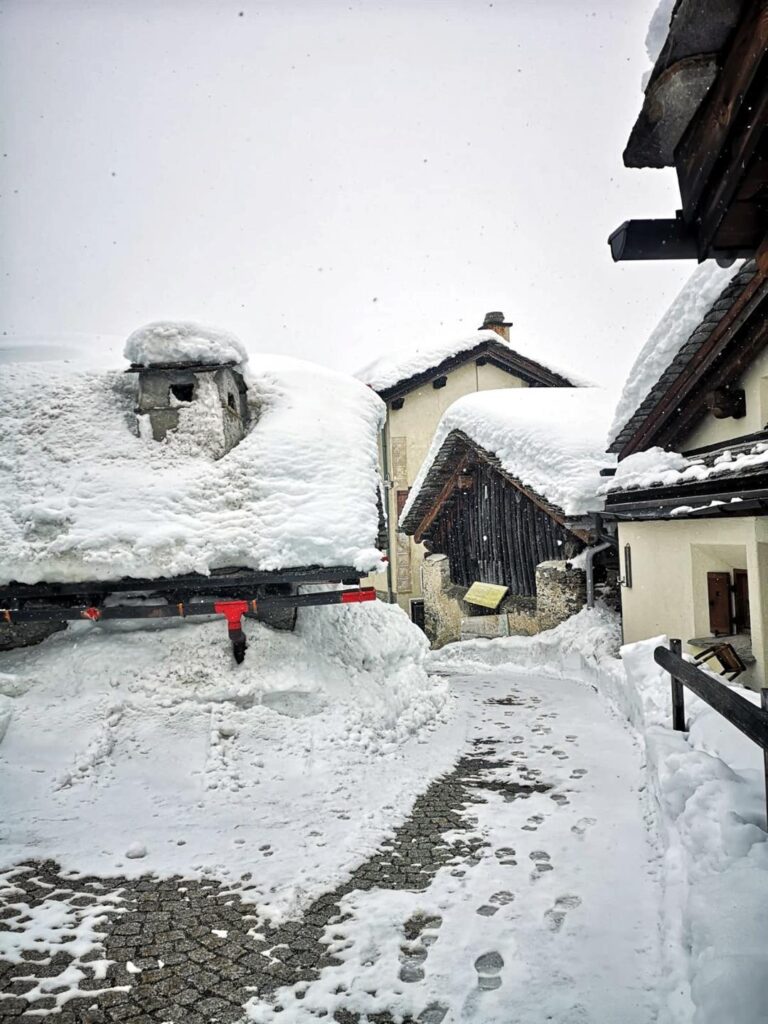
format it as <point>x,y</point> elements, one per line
<point>417,389</point>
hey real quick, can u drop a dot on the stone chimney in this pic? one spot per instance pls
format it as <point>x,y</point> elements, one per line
<point>496,322</point>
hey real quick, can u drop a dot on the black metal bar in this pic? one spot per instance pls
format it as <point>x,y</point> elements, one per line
<point>664,239</point>
<point>173,609</point>
<point>750,720</point>
<point>764,705</point>
<point>678,694</point>
<point>192,583</point>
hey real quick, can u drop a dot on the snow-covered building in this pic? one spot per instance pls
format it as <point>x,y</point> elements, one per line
<point>690,492</point>
<point>503,498</point>
<point>418,386</point>
<point>191,496</point>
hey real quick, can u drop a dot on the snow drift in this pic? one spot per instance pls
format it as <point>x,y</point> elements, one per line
<point>150,738</point>
<point>83,497</point>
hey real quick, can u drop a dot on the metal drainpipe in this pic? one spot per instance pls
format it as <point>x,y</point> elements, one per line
<point>387,492</point>
<point>591,552</point>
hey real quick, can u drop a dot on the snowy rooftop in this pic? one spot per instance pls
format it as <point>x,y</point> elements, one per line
<point>550,439</point>
<point>398,367</point>
<point>680,327</point>
<point>659,468</point>
<point>172,341</point>
<point>83,497</point>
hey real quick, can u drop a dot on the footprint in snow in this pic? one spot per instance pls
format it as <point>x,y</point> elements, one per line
<point>506,855</point>
<point>489,967</point>
<point>582,825</point>
<point>559,798</point>
<point>555,916</point>
<point>533,823</point>
<point>577,773</point>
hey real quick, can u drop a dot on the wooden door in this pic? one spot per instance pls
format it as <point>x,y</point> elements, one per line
<point>719,593</point>
<point>741,600</point>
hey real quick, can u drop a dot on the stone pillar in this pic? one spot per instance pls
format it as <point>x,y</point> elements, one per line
<point>560,592</point>
<point>442,608</point>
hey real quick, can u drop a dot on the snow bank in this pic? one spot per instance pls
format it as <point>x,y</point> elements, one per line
<point>585,642</point>
<point>82,497</point>
<point>181,341</point>
<point>657,467</point>
<point>551,439</point>
<point>393,368</point>
<point>154,740</point>
<point>674,329</point>
<point>708,802</point>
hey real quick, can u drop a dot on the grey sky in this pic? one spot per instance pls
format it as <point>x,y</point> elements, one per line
<point>329,179</point>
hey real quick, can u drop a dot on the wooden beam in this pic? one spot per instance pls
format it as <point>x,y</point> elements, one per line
<point>712,157</point>
<point>445,493</point>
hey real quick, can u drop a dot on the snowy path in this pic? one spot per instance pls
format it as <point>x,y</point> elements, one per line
<point>546,908</point>
<point>519,888</point>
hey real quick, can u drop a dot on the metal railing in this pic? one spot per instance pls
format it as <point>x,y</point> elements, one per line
<point>740,712</point>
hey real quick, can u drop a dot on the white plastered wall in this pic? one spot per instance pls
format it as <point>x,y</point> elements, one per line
<point>670,562</point>
<point>409,435</point>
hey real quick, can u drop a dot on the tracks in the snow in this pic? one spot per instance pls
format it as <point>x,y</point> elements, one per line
<point>193,952</point>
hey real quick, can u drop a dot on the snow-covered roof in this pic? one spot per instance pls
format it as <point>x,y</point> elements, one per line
<point>656,467</point>
<point>396,368</point>
<point>166,342</point>
<point>685,326</point>
<point>550,439</point>
<point>83,497</point>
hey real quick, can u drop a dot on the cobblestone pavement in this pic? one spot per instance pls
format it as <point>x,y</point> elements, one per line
<point>192,952</point>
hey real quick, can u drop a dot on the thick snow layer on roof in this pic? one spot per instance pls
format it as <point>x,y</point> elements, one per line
<point>551,439</point>
<point>181,341</point>
<point>82,497</point>
<point>656,467</point>
<point>393,368</point>
<point>673,330</point>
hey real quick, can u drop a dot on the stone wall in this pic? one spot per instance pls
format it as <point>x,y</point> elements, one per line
<point>561,591</point>
<point>442,601</point>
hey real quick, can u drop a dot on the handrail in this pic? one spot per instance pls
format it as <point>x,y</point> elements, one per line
<point>750,720</point>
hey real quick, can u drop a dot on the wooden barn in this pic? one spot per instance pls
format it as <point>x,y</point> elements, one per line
<point>483,521</point>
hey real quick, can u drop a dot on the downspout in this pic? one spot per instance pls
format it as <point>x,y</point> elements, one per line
<point>387,492</point>
<point>591,552</point>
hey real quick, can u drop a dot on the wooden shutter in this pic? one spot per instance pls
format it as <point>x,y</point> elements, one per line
<point>402,497</point>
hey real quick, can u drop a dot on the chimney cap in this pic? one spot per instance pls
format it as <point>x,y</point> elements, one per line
<point>494,319</point>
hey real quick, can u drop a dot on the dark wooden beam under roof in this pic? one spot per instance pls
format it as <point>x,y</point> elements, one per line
<point>706,113</point>
<point>497,353</point>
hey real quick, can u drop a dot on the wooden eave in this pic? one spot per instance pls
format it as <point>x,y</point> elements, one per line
<point>706,114</point>
<point>721,359</point>
<point>457,455</point>
<point>497,353</point>
<point>686,67</point>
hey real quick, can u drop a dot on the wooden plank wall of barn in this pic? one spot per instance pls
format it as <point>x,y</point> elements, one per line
<point>495,534</point>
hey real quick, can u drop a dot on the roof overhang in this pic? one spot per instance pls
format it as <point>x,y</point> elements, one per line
<point>705,114</point>
<point>496,353</point>
<point>451,471</point>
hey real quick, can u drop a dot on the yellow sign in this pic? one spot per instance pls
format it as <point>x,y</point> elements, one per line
<point>487,595</point>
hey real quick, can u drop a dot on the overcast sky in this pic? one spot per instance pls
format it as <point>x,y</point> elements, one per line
<point>329,179</point>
